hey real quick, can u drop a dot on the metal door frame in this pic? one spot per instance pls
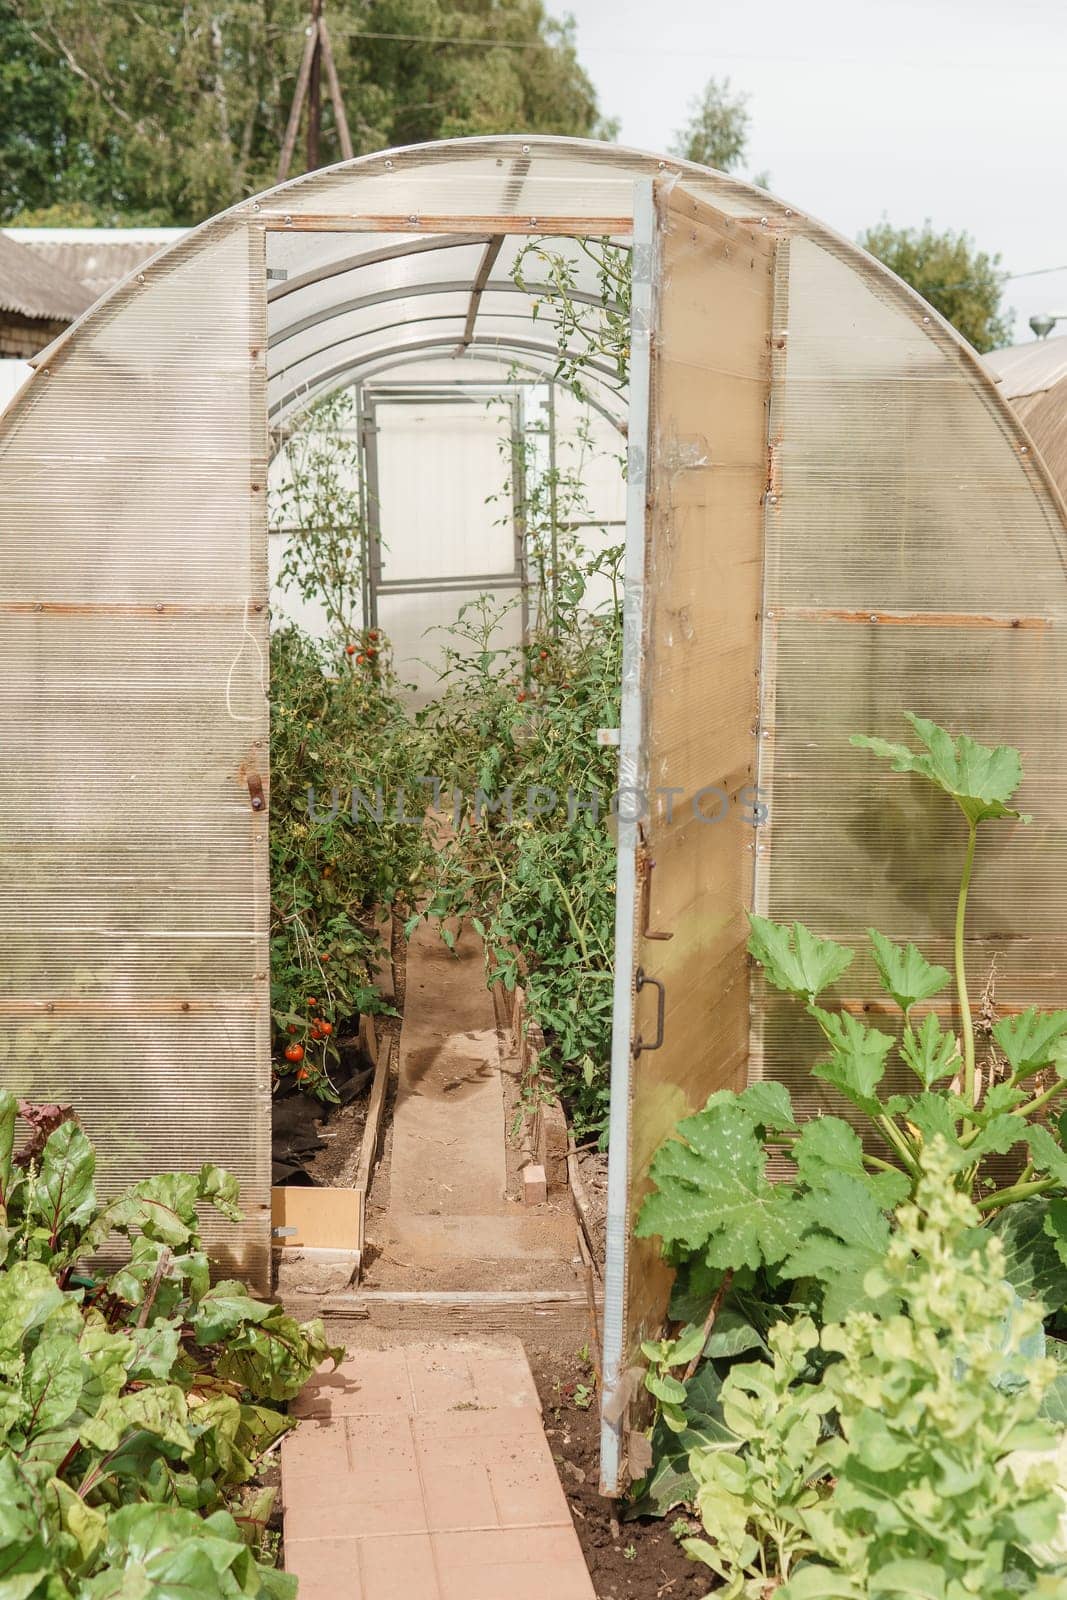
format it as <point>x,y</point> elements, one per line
<point>445,583</point>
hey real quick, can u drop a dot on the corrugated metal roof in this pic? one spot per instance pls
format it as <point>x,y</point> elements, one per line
<point>96,257</point>
<point>32,287</point>
<point>1029,368</point>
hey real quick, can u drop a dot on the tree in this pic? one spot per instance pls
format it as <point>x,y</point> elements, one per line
<point>168,111</point>
<point>717,131</point>
<point>962,282</point>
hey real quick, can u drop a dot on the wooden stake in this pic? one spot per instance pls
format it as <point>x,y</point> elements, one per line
<point>335,93</point>
<point>311,47</point>
<point>315,92</point>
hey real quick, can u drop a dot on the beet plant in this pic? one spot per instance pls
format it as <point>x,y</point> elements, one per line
<point>137,1403</point>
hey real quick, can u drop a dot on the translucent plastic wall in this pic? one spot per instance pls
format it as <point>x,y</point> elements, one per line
<point>915,561</point>
<point>838,520</point>
<point>133,867</point>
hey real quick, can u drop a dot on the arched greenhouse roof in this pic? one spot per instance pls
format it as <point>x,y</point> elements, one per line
<point>338,311</point>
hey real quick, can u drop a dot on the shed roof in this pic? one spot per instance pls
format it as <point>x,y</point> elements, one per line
<point>1029,368</point>
<point>96,257</point>
<point>31,287</point>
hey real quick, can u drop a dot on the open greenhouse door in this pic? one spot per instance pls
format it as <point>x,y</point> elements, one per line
<point>703,291</point>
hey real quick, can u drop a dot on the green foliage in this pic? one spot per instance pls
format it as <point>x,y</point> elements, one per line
<point>979,778</point>
<point>931,1402</point>
<point>714,1199</point>
<point>134,1409</point>
<point>583,333</point>
<point>337,729</point>
<point>716,132</point>
<point>908,1447</point>
<point>752,1498</point>
<point>171,113</point>
<point>899,1450</point>
<point>963,283</point>
<point>538,883</point>
<point>316,510</point>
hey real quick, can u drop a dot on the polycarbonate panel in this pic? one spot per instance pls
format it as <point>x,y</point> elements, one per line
<point>914,562</point>
<point>133,869</point>
<point>531,176</point>
<point>694,650</point>
<point>411,622</point>
<point>454,517</point>
<point>318,341</point>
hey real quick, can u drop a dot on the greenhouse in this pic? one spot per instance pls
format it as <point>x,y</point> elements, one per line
<point>831,517</point>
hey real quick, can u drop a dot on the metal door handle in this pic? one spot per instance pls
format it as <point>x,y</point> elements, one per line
<point>640,979</point>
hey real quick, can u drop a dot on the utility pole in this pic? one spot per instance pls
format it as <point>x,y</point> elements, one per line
<point>318,53</point>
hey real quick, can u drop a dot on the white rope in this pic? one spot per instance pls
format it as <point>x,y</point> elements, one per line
<point>246,634</point>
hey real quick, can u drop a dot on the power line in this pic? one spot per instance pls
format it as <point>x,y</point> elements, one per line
<point>1036,272</point>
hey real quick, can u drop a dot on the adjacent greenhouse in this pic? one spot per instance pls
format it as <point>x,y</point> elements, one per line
<point>831,516</point>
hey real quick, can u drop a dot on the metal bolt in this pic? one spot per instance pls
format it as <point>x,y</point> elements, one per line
<point>526,149</point>
<point>759,849</point>
<point>140,277</point>
<point>45,373</point>
<point>159,608</point>
<point>926,319</point>
<point>413,219</point>
<point>255,205</point>
<point>38,606</point>
<point>763,222</point>
<point>770,616</point>
<point>288,222</point>
<point>873,617</point>
<point>259,838</point>
<point>772,499</point>
<point>388,164</point>
<point>1025,449</point>
<point>533,222</point>
<point>766,733</point>
<point>51,1005</point>
<point>788,212</point>
<point>185,1005</point>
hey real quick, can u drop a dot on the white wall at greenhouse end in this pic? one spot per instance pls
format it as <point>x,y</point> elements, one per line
<point>444,502</point>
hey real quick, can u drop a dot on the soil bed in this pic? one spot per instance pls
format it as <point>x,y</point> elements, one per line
<point>639,1560</point>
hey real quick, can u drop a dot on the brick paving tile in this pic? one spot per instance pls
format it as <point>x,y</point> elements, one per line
<point>328,1569</point>
<point>425,1474</point>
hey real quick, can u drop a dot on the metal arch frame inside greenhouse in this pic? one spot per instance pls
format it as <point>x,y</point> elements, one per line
<point>832,516</point>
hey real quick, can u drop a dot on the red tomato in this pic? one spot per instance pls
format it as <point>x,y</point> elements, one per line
<point>350,649</point>
<point>294,1052</point>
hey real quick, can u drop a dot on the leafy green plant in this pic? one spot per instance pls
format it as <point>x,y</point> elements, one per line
<point>754,1495</point>
<point>714,1200</point>
<point>932,1401</point>
<point>317,510</point>
<point>342,751</point>
<point>135,1407</point>
<point>535,873</point>
<point>897,1451</point>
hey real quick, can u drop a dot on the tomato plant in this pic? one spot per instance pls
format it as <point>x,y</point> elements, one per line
<point>334,728</point>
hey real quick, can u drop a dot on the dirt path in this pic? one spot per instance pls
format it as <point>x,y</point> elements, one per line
<point>450,1222</point>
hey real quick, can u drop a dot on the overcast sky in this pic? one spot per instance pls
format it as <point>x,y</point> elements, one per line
<point>953,109</point>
